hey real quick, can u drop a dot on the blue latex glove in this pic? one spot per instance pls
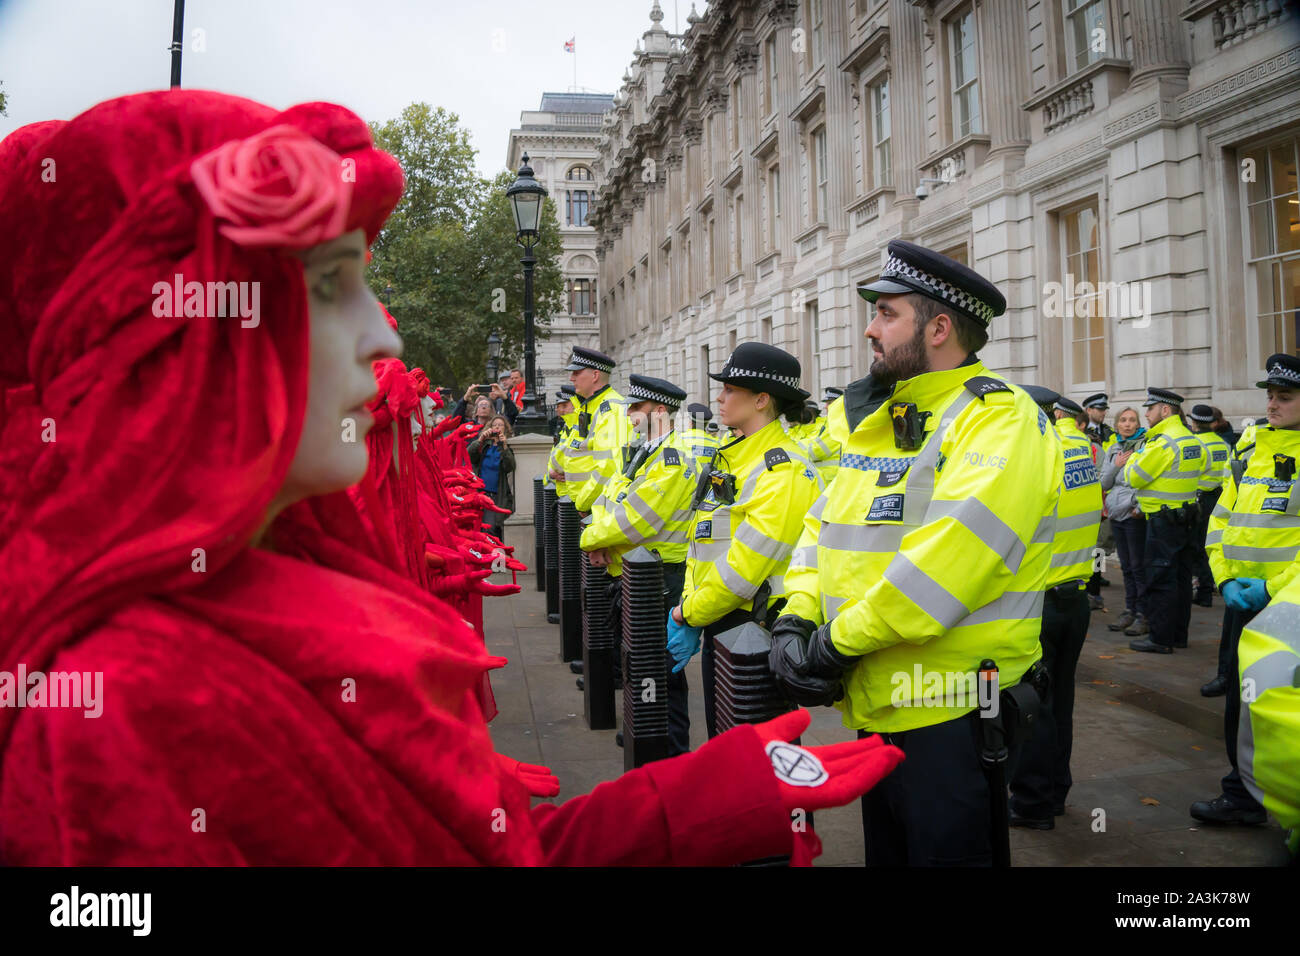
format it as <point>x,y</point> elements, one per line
<point>683,642</point>
<point>1234,597</point>
<point>1254,593</point>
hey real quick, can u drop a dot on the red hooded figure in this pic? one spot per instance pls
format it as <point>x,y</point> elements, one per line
<point>181,273</point>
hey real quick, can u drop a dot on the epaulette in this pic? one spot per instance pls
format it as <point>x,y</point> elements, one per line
<point>982,385</point>
<point>671,457</point>
<point>775,456</point>
<point>604,406</point>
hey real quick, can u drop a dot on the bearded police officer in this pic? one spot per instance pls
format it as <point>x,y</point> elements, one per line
<point>595,451</point>
<point>1217,452</point>
<point>928,553</point>
<point>1042,777</point>
<point>1165,474</point>
<point>749,510</point>
<point>651,507</point>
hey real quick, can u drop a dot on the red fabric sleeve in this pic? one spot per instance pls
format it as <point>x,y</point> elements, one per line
<point>715,807</point>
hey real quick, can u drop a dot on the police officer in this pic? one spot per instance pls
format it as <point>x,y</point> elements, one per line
<point>1217,451</point>
<point>817,443</point>
<point>1165,474</point>
<point>1254,550</point>
<point>1268,735</point>
<point>652,508</point>
<point>701,442</point>
<point>595,451</point>
<point>928,553</point>
<point>749,510</point>
<point>830,394</point>
<point>1096,406</point>
<point>1042,778</point>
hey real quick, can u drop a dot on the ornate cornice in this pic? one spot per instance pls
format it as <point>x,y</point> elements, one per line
<point>782,12</point>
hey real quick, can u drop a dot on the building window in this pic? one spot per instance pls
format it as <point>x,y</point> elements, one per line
<point>708,148</point>
<point>769,85</point>
<point>965,76</point>
<point>576,201</point>
<point>881,172</point>
<point>580,297</point>
<point>735,115</point>
<point>773,207</point>
<point>765,329</point>
<point>812,338</point>
<point>1083,18</point>
<point>819,171</point>
<point>1273,210</point>
<point>1085,310</point>
<point>957,254</point>
<point>737,239</point>
<point>712,262</point>
<point>816,28</point>
<point>580,174</point>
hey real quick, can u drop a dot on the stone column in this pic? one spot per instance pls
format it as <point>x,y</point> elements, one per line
<point>1004,72</point>
<point>1159,44</point>
<point>907,94</point>
<point>782,14</point>
<point>839,123</point>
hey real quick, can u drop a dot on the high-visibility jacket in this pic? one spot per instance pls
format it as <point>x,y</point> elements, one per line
<point>595,452</point>
<point>736,547</point>
<point>1078,509</point>
<point>928,561</point>
<point>1217,454</point>
<point>556,460</point>
<point>821,448</point>
<point>1254,530</point>
<point>1246,440</point>
<point>1167,471</point>
<point>1102,435</point>
<point>701,444</point>
<point>651,507</point>
<point>1268,730</point>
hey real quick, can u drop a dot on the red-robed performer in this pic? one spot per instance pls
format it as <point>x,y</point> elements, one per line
<point>173,517</point>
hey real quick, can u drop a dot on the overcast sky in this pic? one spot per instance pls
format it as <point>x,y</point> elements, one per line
<point>485,60</point>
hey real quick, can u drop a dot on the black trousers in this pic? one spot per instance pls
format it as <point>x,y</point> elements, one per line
<point>1041,779</point>
<point>1205,501</point>
<point>1130,542</point>
<point>707,663</point>
<point>679,715</point>
<point>1170,554</point>
<point>933,810</point>
<point>1234,622</point>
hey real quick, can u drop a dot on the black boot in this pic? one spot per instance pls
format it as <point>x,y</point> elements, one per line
<point>1223,810</point>
<point>575,667</point>
<point>1150,647</point>
<point>1215,688</point>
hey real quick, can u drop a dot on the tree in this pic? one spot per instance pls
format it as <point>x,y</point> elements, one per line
<point>4,100</point>
<point>449,253</point>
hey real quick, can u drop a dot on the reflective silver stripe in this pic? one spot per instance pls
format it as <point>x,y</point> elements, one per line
<point>924,591</point>
<point>577,477</point>
<point>831,606</point>
<point>647,513</point>
<point>1072,557</point>
<point>754,539</point>
<point>1043,534</point>
<point>1271,671</point>
<point>683,514</point>
<point>1010,606</point>
<point>1183,496</point>
<point>857,537</point>
<point>1138,469</point>
<point>734,582</point>
<point>1077,522</point>
<point>624,523</point>
<point>1242,520</point>
<point>1214,537</point>
<point>976,517</point>
<point>1235,552</point>
<point>805,557</point>
<point>600,453</point>
<point>818,507</point>
<point>1222,512</point>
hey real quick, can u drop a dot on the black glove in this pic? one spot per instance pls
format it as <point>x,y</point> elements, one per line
<point>788,660</point>
<point>824,660</point>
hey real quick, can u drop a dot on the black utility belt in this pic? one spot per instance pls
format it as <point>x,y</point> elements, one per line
<point>1067,588</point>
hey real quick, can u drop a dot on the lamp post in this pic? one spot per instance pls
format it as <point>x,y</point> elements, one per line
<point>494,356</point>
<point>526,196</point>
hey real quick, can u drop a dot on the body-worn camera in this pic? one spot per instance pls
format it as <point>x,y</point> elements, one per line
<point>909,425</point>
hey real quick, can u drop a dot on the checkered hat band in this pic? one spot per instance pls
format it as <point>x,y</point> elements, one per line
<point>637,393</point>
<point>592,363</point>
<point>1281,371</point>
<point>1200,418</point>
<point>941,289</point>
<point>730,371</point>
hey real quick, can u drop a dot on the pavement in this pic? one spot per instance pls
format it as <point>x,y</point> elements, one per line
<point>1146,744</point>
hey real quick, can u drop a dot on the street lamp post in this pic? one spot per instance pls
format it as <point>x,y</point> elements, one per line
<point>526,196</point>
<point>494,357</point>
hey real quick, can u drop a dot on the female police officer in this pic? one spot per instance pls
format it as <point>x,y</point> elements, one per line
<point>749,509</point>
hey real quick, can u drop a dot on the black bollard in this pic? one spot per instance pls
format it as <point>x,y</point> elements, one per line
<point>644,658</point>
<point>746,692</point>
<point>598,648</point>
<point>539,532</point>
<point>570,581</point>
<point>552,534</point>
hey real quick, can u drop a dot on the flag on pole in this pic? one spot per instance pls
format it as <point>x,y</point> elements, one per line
<point>568,44</point>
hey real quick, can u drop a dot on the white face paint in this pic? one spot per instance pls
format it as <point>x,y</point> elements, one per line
<point>795,765</point>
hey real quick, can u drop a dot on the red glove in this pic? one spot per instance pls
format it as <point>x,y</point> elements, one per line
<point>836,774</point>
<point>538,781</point>
<point>488,589</point>
<point>450,584</point>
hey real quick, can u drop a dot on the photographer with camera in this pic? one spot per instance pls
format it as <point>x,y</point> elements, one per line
<point>494,463</point>
<point>486,401</point>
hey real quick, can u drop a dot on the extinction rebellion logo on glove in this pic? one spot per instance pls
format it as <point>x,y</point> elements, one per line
<point>795,766</point>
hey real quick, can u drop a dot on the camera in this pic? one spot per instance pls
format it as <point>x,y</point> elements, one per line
<point>922,191</point>
<point>483,389</point>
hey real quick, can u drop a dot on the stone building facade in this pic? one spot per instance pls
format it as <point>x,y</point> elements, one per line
<point>561,138</point>
<point>1124,170</point>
